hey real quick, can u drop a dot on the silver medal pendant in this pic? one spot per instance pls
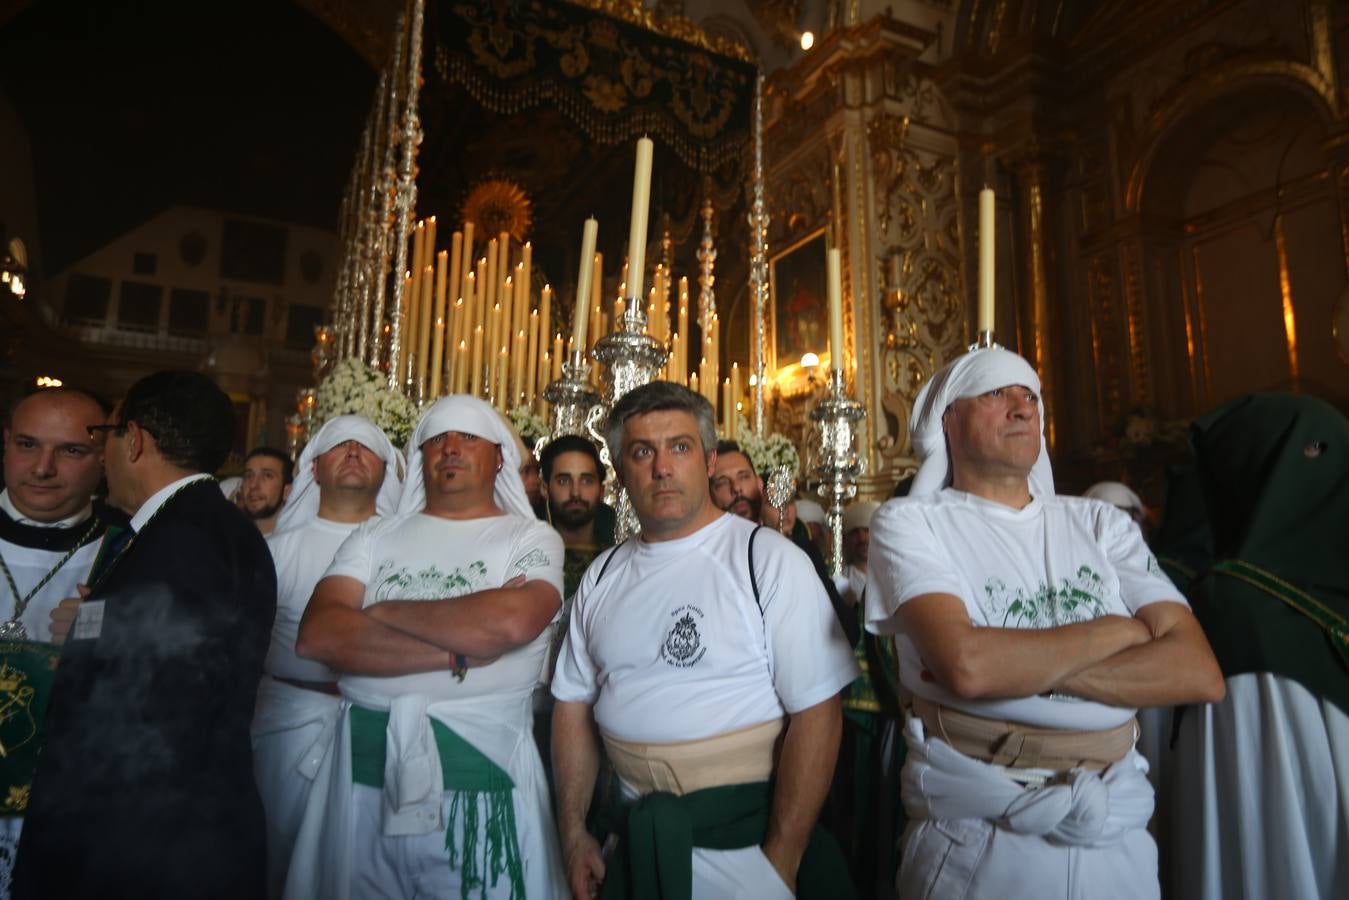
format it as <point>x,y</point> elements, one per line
<point>12,630</point>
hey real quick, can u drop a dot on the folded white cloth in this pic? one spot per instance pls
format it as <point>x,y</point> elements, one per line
<point>1088,809</point>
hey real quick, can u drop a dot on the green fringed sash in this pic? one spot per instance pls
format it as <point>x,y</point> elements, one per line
<point>472,778</point>
<point>654,858</point>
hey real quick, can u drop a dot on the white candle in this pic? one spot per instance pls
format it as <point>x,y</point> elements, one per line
<point>586,271</point>
<point>834,270</point>
<point>986,257</point>
<point>641,198</point>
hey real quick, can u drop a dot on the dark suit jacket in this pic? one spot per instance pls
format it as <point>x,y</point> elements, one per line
<point>145,786</point>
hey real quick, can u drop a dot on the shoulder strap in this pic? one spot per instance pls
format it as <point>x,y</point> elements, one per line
<point>1334,624</point>
<point>608,559</point>
<point>754,582</point>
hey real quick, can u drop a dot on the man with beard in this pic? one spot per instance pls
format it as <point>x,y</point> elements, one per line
<point>574,479</point>
<point>266,485</point>
<point>737,488</point>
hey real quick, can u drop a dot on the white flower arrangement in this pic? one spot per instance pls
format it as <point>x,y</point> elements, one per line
<point>353,388</point>
<point>527,423</point>
<point>768,452</point>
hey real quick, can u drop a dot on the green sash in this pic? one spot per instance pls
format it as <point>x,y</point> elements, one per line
<point>655,858</point>
<point>472,777</point>
<point>26,670</point>
<point>1334,624</point>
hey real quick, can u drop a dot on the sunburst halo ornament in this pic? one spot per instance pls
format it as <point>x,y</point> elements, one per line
<point>498,205</point>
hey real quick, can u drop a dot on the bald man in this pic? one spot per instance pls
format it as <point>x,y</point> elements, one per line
<point>49,536</point>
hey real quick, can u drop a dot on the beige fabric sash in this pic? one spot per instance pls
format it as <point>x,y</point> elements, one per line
<point>1022,746</point>
<point>683,767</point>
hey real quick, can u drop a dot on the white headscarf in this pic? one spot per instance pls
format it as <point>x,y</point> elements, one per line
<point>303,505</point>
<point>468,415</point>
<point>809,511</point>
<point>859,514</point>
<point>1116,494</point>
<point>975,373</point>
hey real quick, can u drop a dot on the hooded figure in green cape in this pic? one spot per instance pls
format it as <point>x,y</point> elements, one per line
<point>1263,776</point>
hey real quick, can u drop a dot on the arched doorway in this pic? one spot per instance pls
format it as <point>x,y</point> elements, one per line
<point>1244,254</point>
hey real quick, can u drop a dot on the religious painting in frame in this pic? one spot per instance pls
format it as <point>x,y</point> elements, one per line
<point>799,320</point>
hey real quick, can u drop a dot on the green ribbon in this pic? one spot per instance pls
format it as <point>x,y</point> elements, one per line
<point>472,777</point>
<point>1334,624</point>
<point>661,829</point>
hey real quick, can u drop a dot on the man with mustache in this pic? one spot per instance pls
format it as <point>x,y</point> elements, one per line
<point>573,477</point>
<point>706,652</point>
<point>266,485</point>
<point>437,620</point>
<point>1029,628</point>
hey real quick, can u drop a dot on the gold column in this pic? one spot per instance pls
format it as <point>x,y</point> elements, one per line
<point>1032,176</point>
<point>1286,292</point>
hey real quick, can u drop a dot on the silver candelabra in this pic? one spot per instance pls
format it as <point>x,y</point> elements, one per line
<point>631,359</point>
<point>836,463</point>
<point>576,407</point>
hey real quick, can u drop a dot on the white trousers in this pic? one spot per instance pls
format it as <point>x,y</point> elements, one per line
<point>974,833</point>
<point>414,866</point>
<point>292,730</point>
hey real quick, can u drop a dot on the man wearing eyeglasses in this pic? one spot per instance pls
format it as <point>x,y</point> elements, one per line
<point>145,786</point>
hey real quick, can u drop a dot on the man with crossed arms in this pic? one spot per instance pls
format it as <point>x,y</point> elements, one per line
<point>437,619</point>
<point>1029,627</point>
<point>348,472</point>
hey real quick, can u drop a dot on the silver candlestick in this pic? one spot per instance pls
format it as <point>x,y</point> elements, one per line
<point>631,359</point>
<point>983,341</point>
<point>835,461</point>
<point>573,402</point>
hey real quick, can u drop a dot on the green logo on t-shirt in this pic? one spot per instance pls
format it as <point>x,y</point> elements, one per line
<point>534,559</point>
<point>1077,599</point>
<point>429,583</point>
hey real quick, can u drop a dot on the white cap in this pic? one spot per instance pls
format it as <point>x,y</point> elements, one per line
<point>468,415</point>
<point>859,514</point>
<point>1116,494</point>
<point>303,505</point>
<point>975,373</point>
<point>809,511</point>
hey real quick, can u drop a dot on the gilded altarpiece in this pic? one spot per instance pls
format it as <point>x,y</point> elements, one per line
<point>861,142</point>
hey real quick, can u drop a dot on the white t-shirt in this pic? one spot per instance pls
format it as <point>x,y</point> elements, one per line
<point>670,645</point>
<point>1057,561</point>
<point>301,556</point>
<point>421,557</point>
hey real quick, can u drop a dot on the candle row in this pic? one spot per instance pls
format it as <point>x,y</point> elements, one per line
<point>492,340</point>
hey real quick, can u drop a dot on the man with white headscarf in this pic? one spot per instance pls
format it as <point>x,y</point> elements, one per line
<point>1029,627</point>
<point>436,619</point>
<point>346,474</point>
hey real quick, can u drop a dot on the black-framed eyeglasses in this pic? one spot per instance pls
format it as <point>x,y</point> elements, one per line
<point>96,430</point>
